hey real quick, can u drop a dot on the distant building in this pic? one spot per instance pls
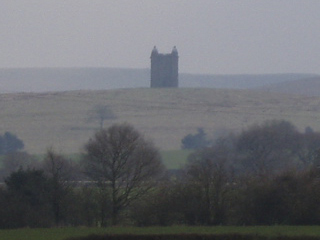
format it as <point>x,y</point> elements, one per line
<point>164,69</point>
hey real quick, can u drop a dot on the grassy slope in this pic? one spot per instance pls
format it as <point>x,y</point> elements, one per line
<point>175,159</point>
<point>172,159</point>
<point>163,115</point>
<point>63,233</point>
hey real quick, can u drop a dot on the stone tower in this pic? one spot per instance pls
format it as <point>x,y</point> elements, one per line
<point>164,69</point>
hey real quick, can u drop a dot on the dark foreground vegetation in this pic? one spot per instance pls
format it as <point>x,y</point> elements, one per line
<point>266,175</point>
<point>192,237</point>
<point>229,232</point>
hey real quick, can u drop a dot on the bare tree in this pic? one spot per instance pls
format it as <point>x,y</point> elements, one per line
<point>60,171</point>
<point>101,113</point>
<point>211,172</point>
<point>268,148</point>
<point>120,159</point>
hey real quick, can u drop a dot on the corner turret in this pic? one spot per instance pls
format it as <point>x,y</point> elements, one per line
<point>174,51</point>
<point>154,51</point>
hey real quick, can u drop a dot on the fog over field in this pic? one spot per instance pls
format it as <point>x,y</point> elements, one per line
<point>160,113</point>
<point>60,119</point>
<point>239,61</point>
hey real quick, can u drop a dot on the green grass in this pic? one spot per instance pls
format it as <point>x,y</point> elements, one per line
<point>175,159</point>
<point>172,159</point>
<point>48,234</point>
<point>63,233</point>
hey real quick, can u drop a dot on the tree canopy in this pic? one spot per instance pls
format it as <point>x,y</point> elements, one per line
<point>121,159</point>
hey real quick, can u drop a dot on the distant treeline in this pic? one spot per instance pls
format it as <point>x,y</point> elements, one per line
<point>267,174</point>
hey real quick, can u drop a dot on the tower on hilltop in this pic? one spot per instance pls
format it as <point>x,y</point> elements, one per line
<point>164,69</point>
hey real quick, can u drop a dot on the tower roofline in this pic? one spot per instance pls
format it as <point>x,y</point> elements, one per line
<point>154,51</point>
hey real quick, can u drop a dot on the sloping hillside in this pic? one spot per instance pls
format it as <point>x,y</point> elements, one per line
<point>69,79</point>
<point>307,87</point>
<point>164,115</point>
<point>238,81</point>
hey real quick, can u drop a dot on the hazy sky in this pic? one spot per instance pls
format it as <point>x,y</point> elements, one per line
<point>212,36</point>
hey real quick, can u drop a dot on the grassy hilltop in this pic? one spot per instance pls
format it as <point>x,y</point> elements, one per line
<point>60,119</point>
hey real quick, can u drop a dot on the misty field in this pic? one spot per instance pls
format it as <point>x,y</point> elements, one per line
<point>61,120</point>
<point>175,159</point>
<point>172,159</point>
<point>65,233</point>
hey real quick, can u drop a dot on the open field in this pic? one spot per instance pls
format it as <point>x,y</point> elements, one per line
<point>60,119</point>
<point>64,233</point>
<point>172,159</point>
<point>175,159</point>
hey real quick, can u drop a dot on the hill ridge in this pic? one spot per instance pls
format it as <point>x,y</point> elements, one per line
<point>67,79</point>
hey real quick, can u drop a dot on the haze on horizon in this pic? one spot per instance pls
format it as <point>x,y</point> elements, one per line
<point>212,36</point>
